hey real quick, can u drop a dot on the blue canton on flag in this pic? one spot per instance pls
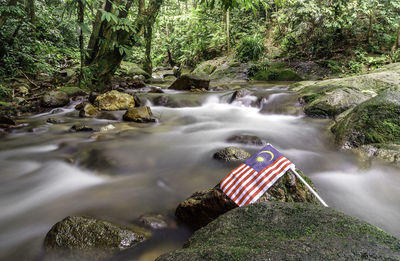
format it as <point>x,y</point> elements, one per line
<point>248,182</point>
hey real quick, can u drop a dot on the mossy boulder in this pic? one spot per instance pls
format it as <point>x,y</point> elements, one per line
<point>374,121</point>
<point>88,110</point>
<point>389,153</point>
<point>54,99</point>
<point>131,70</point>
<point>86,238</point>
<point>73,91</point>
<point>204,206</point>
<point>114,101</point>
<point>208,67</point>
<point>287,231</point>
<point>140,115</point>
<point>330,101</point>
<point>231,154</point>
<point>276,75</point>
<point>189,82</point>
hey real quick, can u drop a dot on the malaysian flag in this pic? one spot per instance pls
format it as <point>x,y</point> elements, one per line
<point>248,182</point>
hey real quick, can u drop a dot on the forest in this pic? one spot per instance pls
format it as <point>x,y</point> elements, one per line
<point>199,130</point>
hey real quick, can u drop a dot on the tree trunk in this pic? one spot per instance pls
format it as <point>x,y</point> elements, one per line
<point>105,56</point>
<point>31,11</point>
<point>397,43</point>
<point>228,37</point>
<point>148,33</point>
<point>81,13</point>
<point>369,34</point>
<point>4,16</point>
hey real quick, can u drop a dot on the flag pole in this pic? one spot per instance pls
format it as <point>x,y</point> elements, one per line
<point>310,188</point>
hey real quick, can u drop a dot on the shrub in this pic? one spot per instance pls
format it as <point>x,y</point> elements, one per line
<point>250,49</point>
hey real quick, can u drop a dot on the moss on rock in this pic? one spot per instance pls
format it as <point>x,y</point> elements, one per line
<point>287,231</point>
<point>374,121</point>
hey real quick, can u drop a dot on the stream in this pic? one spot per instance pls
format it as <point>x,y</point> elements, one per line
<point>48,173</point>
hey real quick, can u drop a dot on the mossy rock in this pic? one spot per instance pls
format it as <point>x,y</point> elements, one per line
<point>276,75</point>
<point>131,70</point>
<point>204,206</point>
<point>114,100</point>
<point>73,91</point>
<point>86,238</point>
<point>389,153</point>
<point>287,231</point>
<point>54,99</point>
<point>330,101</point>
<point>374,121</point>
<point>231,154</point>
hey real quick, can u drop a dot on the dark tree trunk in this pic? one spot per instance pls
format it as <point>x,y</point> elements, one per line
<point>148,34</point>
<point>104,57</point>
<point>81,13</point>
<point>31,11</point>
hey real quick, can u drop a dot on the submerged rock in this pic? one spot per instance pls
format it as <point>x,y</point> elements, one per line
<point>54,99</point>
<point>155,221</point>
<point>140,114</point>
<point>237,95</point>
<point>246,140</point>
<point>374,121</point>
<point>287,231</point>
<point>55,121</point>
<point>80,128</point>
<point>88,110</point>
<point>204,206</point>
<point>88,238</point>
<point>189,82</point>
<point>114,100</point>
<point>231,154</point>
<point>386,152</point>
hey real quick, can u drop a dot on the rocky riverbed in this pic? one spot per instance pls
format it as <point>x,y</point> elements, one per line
<point>129,174</point>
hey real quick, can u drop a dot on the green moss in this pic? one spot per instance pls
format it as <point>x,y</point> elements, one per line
<point>72,91</point>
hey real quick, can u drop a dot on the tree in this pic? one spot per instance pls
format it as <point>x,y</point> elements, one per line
<point>112,36</point>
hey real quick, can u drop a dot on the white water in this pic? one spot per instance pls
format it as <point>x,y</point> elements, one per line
<point>151,168</point>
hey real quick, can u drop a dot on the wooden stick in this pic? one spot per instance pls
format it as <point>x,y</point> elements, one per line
<point>29,80</point>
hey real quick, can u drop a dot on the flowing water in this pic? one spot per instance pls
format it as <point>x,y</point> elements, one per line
<point>48,173</point>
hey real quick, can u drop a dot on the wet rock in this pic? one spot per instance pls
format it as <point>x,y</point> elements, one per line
<point>287,231</point>
<point>55,121</point>
<point>107,128</point>
<point>54,99</point>
<point>204,206</point>
<point>231,154</point>
<point>156,221</point>
<point>86,238</point>
<point>88,111</point>
<point>92,97</point>
<point>330,101</point>
<point>389,153</point>
<point>80,128</point>
<point>239,94</point>
<point>374,121</point>
<point>114,100</point>
<point>57,110</point>
<point>190,82</point>
<point>80,106</point>
<point>140,115</point>
<point>107,116</point>
<point>156,90</point>
<point>5,120</point>
<point>164,101</point>
<point>73,91</point>
<point>246,140</point>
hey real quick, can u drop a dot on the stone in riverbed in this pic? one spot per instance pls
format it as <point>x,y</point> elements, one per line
<point>88,110</point>
<point>80,128</point>
<point>54,99</point>
<point>287,231</point>
<point>190,82</point>
<point>231,154</point>
<point>246,140</point>
<point>204,206</point>
<point>55,121</point>
<point>114,100</point>
<point>374,121</point>
<point>86,238</point>
<point>155,221</point>
<point>140,115</point>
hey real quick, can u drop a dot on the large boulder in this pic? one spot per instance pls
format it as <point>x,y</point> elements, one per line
<point>204,206</point>
<point>331,97</point>
<point>131,70</point>
<point>54,99</point>
<point>330,101</point>
<point>231,154</point>
<point>389,153</point>
<point>140,115</point>
<point>86,238</point>
<point>287,231</point>
<point>189,82</point>
<point>114,101</point>
<point>374,121</point>
<point>88,110</point>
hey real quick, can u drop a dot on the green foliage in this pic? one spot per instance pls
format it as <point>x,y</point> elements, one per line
<point>250,49</point>
<point>5,92</point>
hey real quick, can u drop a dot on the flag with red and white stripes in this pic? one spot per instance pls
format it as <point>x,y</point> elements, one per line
<point>248,182</point>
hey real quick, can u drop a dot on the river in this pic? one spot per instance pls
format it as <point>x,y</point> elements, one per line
<point>48,173</point>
